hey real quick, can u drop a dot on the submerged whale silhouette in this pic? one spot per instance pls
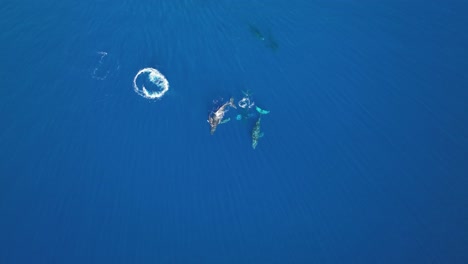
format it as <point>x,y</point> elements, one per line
<point>256,133</point>
<point>269,40</point>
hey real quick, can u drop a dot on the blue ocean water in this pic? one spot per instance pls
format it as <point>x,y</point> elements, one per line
<point>363,158</point>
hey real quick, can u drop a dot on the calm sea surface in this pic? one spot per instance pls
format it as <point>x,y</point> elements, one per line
<point>363,157</point>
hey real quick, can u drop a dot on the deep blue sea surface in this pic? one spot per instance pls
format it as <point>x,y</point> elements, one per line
<point>363,157</point>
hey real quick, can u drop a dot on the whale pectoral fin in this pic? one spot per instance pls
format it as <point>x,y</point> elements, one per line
<point>260,135</point>
<point>225,121</point>
<point>261,111</point>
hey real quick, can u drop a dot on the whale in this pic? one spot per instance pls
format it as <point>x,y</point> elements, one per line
<point>268,39</point>
<point>256,133</point>
<point>216,118</point>
<point>256,32</point>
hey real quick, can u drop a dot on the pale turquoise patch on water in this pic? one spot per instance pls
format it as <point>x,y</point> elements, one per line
<point>261,111</point>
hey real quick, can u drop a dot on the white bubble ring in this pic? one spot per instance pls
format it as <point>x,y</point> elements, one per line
<point>156,78</point>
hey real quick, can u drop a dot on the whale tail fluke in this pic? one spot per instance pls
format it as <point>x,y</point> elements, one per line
<point>231,102</point>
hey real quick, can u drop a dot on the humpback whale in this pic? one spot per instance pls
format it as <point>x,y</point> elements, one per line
<point>256,32</point>
<point>216,118</point>
<point>268,40</point>
<point>256,133</point>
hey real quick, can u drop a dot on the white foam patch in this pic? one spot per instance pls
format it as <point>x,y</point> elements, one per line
<point>105,66</point>
<point>161,85</point>
<point>245,103</point>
